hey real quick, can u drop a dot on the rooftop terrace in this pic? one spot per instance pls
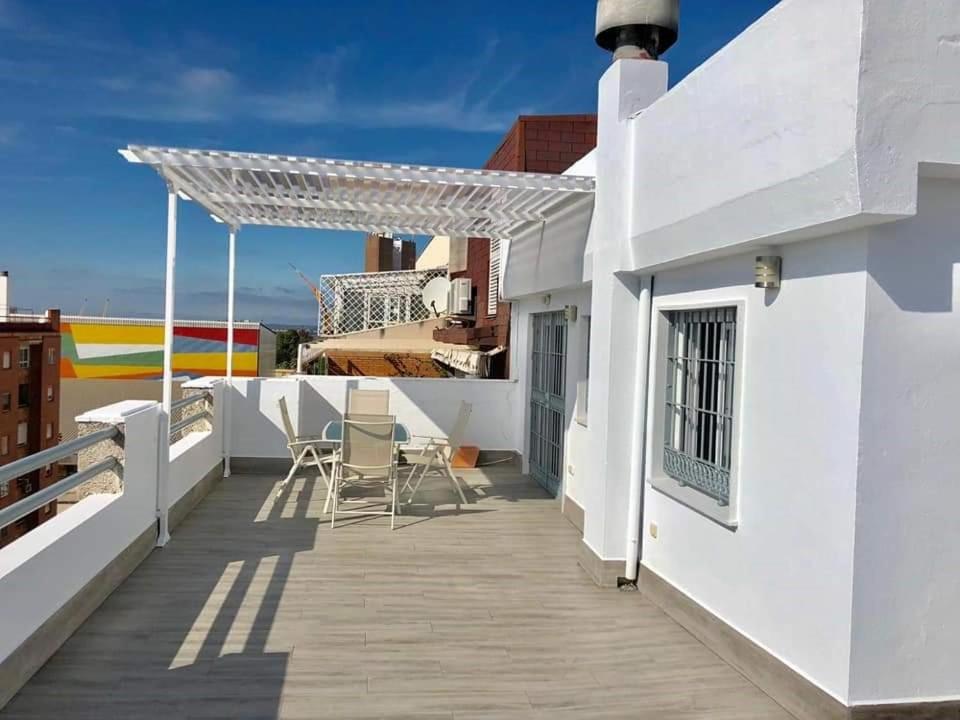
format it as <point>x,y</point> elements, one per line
<point>256,609</point>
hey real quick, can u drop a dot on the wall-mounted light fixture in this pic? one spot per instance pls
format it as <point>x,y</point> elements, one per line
<point>570,313</point>
<point>767,272</point>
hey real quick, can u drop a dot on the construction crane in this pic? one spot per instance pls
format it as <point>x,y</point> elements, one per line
<point>316,293</point>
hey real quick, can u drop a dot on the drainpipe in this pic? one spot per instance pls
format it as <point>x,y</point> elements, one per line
<point>638,450</point>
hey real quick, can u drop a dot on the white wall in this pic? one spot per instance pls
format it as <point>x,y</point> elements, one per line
<point>576,437</point>
<point>427,406</point>
<point>906,593</point>
<point>784,577</point>
<point>44,569</point>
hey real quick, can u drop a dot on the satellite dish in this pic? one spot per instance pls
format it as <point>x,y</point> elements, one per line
<point>435,295</point>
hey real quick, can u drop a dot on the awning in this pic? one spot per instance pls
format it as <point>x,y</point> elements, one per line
<point>471,362</point>
<point>280,190</point>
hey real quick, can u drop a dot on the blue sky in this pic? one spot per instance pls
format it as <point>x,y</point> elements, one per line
<point>401,80</point>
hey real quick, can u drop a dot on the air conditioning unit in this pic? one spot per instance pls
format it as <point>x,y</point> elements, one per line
<point>461,292</point>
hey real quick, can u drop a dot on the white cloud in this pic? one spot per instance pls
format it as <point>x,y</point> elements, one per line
<point>198,94</point>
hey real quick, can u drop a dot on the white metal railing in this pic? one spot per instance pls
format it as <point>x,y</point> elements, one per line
<point>357,302</point>
<point>39,499</point>
<point>179,408</point>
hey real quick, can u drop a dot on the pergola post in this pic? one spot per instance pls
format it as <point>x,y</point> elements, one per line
<point>227,395</point>
<point>163,479</point>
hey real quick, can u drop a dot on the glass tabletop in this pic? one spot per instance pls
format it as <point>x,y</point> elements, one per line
<point>333,432</point>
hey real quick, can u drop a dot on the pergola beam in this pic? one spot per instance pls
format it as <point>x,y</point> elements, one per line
<point>250,189</point>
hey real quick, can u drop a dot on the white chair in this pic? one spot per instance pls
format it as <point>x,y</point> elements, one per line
<point>437,455</point>
<point>305,452</point>
<point>367,457</point>
<point>368,402</point>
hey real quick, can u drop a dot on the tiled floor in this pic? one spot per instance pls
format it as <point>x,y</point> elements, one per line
<point>257,610</point>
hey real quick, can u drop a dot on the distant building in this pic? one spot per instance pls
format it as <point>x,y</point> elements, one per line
<point>384,253</point>
<point>29,404</point>
<point>535,143</point>
<point>106,360</point>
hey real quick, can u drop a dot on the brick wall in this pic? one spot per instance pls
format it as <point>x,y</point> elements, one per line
<point>380,364</point>
<point>41,411</point>
<point>535,143</point>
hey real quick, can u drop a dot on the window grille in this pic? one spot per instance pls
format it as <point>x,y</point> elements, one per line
<point>699,392</point>
<point>24,358</point>
<point>493,278</point>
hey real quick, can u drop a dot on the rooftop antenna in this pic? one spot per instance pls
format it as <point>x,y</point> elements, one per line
<point>106,307</point>
<point>83,307</point>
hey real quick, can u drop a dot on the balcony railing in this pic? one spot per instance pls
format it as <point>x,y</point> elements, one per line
<point>183,415</point>
<point>368,301</point>
<point>17,469</point>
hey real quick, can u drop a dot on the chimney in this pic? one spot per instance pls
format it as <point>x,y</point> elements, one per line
<point>4,294</point>
<point>637,29</point>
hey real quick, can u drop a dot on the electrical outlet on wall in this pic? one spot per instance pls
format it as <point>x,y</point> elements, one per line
<point>654,531</point>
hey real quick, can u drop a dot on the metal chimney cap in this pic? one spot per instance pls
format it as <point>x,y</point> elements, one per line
<point>651,25</point>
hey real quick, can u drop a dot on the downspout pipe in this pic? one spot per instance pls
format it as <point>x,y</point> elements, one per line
<point>638,450</point>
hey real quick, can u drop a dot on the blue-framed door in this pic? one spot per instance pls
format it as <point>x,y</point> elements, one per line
<point>547,399</point>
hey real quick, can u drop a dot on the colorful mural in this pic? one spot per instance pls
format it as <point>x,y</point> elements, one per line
<point>134,350</point>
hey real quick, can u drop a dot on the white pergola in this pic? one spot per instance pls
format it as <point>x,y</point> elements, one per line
<point>239,189</point>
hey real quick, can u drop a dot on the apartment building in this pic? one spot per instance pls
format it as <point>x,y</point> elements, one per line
<point>537,144</point>
<point>29,406</point>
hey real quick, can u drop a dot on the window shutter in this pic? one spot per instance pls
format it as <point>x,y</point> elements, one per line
<point>493,278</point>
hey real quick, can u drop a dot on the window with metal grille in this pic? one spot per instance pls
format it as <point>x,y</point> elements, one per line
<point>24,357</point>
<point>493,278</point>
<point>699,399</point>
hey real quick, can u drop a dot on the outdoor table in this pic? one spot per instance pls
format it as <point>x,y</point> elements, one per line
<point>333,432</point>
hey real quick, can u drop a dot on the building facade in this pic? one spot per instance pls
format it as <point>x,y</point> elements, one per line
<point>751,345</point>
<point>535,143</point>
<point>29,408</point>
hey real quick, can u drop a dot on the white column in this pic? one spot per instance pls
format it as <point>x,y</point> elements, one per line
<point>228,391</point>
<point>163,535</point>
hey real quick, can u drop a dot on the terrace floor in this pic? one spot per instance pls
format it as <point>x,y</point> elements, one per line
<point>257,610</point>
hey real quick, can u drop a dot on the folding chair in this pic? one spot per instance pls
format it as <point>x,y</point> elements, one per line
<point>367,457</point>
<point>305,453</point>
<point>437,454</point>
<point>368,402</point>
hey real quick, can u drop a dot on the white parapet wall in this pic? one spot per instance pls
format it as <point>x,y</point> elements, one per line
<point>43,571</point>
<point>427,406</point>
<point>53,577</point>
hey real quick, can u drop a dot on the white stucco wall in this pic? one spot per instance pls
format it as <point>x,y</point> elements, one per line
<point>576,436</point>
<point>427,406</point>
<point>44,569</point>
<point>784,577</point>
<point>906,630</point>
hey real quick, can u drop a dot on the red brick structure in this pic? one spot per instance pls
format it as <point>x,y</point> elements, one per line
<point>535,143</point>
<point>29,409</point>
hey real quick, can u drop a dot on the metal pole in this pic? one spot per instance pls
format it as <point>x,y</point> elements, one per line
<point>163,533</point>
<point>228,390</point>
